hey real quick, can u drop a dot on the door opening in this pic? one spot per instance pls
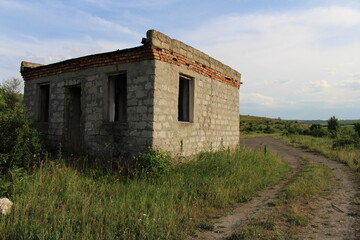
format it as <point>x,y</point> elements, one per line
<point>73,135</point>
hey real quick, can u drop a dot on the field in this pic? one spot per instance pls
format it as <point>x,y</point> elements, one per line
<point>58,201</point>
<point>252,125</point>
<point>67,198</point>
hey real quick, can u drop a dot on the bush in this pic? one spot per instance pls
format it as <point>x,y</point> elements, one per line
<point>153,163</point>
<point>319,132</point>
<point>357,128</point>
<point>333,124</point>
<point>346,138</point>
<point>269,130</point>
<point>20,145</point>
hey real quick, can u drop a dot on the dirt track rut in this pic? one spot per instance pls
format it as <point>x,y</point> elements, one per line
<point>334,216</point>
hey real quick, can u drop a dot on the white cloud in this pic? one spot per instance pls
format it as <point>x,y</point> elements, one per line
<point>315,48</point>
<point>333,16</point>
<point>319,85</point>
<point>256,99</point>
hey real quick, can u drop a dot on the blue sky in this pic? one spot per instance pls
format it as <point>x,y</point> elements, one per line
<point>298,59</point>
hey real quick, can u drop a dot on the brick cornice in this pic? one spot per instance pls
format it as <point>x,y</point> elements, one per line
<point>137,54</point>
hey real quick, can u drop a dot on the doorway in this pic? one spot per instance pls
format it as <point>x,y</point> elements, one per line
<point>73,133</point>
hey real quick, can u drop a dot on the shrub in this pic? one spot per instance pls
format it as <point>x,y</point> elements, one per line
<point>20,145</point>
<point>357,128</point>
<point>153,163</point>
<point>269,130</point>
<point>319,132</point>
<point>346,138</point>
<point>333,124</point>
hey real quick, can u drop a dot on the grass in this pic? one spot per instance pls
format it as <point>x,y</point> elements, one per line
<point>57,201</point>
<point>292,209</point>
<point>348,155</point>
<point>254,126</point>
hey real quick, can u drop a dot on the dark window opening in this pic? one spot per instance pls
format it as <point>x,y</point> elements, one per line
<point>185,100</point>
<point>118,98</point>
<point>44,103</point>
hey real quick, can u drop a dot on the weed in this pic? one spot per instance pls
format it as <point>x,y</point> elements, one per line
<point>57,201</point>
<point>153,163</point>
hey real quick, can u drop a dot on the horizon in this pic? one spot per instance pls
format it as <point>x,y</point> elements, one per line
<point>298,59</point>
<point>357,119</point>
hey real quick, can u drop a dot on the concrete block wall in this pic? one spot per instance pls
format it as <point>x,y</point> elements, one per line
<point>100,137</point>
<point>153,72</point>
<point>215,123</point>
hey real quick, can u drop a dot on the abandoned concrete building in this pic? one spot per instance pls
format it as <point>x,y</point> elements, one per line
<point>163,94</point>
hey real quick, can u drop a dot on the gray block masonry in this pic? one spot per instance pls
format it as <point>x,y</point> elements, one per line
<point>163,94</point>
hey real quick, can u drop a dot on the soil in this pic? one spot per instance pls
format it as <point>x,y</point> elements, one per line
<point>334,216</point>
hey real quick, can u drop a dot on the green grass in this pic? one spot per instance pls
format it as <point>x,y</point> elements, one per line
<point>348,155</point>
<point>253,126</point>
<point>59,202</point>
<point>292,209</point>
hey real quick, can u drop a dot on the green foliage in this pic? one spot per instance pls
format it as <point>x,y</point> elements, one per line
<point>315,126</point>
<point>20,145</point>
<point>348,154</point>
<point>153,163</point>
<point>357,128</point>
<point>317,130</point>
<point>346,137</point>
<point>58,202</point>
<point>10,93</point>
<point>3,105</point>
<point>262,125</point>
<point>333,124</point>
<point>293,128</point>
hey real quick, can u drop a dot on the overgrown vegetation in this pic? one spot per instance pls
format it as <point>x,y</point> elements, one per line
<point>291,210</point>
<point>251,125</point>
<point>20,145</point>
<point>153,163</point>
<point>58,202</point>
<point>349,154</point>
<point>59,199</point>
<point>338,142</point>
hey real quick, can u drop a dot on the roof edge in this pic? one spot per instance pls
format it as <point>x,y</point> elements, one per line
<point>29,65</point>
<point>160,40</point>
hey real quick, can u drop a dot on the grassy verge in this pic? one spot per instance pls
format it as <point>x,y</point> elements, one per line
<point>252,135</point>
<point>348,155</point>
<point>59,202</point>
<point>291,210</point>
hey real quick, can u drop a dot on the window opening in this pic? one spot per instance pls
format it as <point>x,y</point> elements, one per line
<point>185,100</point>
<point>118,98</point>
<point>44,102</point>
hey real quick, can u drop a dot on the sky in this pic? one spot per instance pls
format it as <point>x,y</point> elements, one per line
<point>299,59</point>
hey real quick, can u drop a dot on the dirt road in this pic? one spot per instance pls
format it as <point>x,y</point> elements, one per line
<point>334,216</point>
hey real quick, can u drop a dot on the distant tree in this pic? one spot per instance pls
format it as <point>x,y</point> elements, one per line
<point>11,92</point>
<point>3,105</point>
<point>333,124</point>
<point>315,126</point>
<point>357,128</point>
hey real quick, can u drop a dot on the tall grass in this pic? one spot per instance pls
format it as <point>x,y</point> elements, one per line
<point>349,155</point>
<point>59,202</point>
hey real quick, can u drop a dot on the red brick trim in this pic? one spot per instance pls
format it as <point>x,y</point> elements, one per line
<point>137,54</point>
<point>180,60</point>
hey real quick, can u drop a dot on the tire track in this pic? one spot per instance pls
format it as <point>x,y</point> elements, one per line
<point>333,216</point>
